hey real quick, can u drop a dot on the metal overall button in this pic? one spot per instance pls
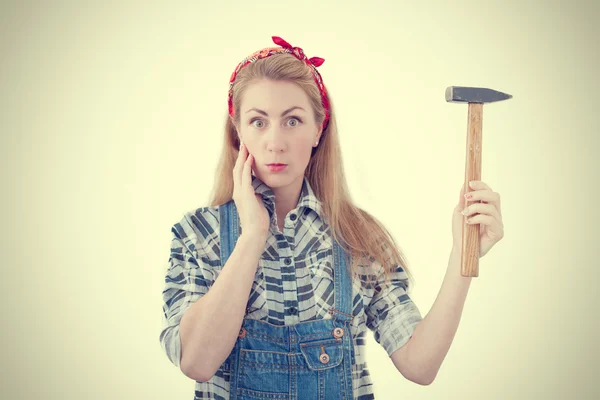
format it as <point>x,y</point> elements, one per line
<point>324,357</point>
<point>323,354</point>
<point>242,333</point>
<point>338,333</point>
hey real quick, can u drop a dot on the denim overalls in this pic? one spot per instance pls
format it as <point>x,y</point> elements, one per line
<point>311,360</point>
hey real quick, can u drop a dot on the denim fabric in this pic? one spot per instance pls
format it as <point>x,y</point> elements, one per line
<point>310,360</point>
<point>294,273</point>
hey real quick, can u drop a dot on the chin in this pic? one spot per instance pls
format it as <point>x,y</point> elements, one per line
<point>275,180</point>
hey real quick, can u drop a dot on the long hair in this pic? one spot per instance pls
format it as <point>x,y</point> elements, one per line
<point>371,246</point>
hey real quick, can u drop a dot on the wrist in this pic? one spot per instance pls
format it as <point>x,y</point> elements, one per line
<point>455,264</point>
<point>455,258</point>
<point>255,241</point>
<point>455,252</point>
<point>455,249</point>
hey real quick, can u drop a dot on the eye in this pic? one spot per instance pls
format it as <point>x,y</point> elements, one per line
<point>252,122</point>
<point>298,121</point>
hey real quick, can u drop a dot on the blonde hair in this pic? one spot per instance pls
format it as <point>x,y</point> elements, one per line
<point>356,231</point>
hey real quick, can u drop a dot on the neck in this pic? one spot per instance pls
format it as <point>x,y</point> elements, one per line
<point>286,199</point>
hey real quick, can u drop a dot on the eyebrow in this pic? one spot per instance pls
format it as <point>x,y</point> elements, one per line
<point>282,114</point>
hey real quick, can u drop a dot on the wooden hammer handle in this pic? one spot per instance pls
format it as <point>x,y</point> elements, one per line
<point>470,232</point>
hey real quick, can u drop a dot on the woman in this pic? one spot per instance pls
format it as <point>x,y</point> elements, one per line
<point>270,289</point>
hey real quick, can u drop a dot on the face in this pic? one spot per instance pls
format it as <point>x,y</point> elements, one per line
<point>277,126</point>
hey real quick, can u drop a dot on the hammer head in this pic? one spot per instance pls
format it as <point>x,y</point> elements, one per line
<point>463,94</point>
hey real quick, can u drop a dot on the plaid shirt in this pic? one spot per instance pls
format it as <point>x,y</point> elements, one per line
<point>194,264</point>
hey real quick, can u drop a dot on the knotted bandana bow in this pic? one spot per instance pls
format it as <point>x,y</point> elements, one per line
<point>297,52</point>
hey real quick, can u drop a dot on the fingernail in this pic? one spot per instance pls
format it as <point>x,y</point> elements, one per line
<point>473,183</point>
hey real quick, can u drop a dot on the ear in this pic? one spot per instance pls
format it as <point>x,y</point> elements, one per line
<point>235,125</point>
<point>318,137</point>
<point>237,132</point>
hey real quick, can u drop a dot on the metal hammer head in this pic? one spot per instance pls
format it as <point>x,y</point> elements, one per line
<point>463,94</point>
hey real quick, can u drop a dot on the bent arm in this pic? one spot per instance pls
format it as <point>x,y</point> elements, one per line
<point>210,326</point>
<point>424,353</point>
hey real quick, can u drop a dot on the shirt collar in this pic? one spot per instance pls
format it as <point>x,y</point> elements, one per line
<point>307,198</point>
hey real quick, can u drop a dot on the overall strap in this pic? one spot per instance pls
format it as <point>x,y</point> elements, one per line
<point>229,232</point>
<point>343,296</point>
<point>343,283</point>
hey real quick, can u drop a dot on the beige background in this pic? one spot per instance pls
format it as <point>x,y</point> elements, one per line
<point>111,120</point>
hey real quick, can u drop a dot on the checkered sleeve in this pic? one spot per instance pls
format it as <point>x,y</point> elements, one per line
<point>391,313</point>
<point>187,278</point>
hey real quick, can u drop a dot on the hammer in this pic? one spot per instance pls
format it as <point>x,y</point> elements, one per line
<point>475,97</point>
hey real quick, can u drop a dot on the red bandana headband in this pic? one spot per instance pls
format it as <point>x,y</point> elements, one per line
<point>297,52</point>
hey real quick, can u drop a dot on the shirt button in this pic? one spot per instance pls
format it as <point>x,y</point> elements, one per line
<point>292,310</point>
<point>293,217</point>
<point>287,261</point>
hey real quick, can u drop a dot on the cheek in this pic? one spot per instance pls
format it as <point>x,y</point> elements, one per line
<point>305,152</point>
<point>302,145</point>
<point>250,141</point>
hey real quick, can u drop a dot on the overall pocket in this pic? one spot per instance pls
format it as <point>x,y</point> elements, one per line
<point>323,354</point>
<point>322,377</point>
<point>263,375</point>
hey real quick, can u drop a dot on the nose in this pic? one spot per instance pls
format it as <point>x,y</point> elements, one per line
<point>275,140</point>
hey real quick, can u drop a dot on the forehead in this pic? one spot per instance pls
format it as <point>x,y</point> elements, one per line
<point>274,95</point>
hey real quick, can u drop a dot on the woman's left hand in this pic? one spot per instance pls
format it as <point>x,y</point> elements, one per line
<point>482,208</point>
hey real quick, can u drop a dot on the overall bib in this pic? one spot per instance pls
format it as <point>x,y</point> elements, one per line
<point>311,360</point>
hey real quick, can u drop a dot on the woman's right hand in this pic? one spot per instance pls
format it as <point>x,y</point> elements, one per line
<point>254,217</point>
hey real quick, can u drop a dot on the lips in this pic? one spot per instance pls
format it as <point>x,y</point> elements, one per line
<point>276,167</point>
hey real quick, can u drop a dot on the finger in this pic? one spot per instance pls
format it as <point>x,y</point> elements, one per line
<point>259,198</point>
<point>475,187</point>
<point>483,195</point>
<point>238,168</point>
<point>479,196</point>
<point>246,176</point>
<point>482,219</point>
<point>237,165</point>
<point>479,185</point>
<point>486,197</point>
<point>462,201</point>
<point>484,209</point>
<point>493,227</point>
